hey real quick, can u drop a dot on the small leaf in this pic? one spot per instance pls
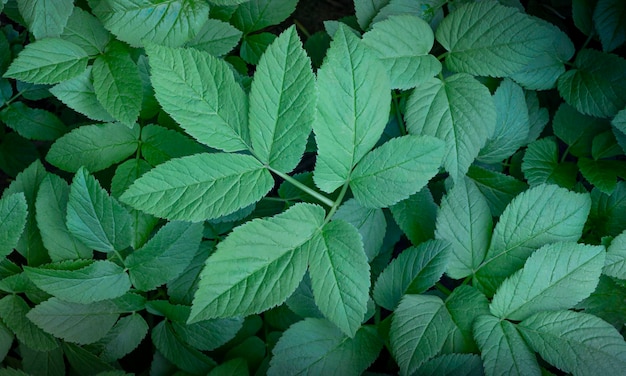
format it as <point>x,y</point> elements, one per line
<point>606,302</point>
<point>556,276</point>
<point>576,342</point>
<point>216,37</point>
<point>497,188</point>
<point>333,352</point>
<point>608,212</point>
<point>609,18</point>
<point>538,116</point>
<point>370,223</point>
<point>414,271</point>
<point>44,362</point>
<point>159,144</point>
<point>94,218</point>
<point>13,310</point>
<point>45,18</point>
<point>405,164</point>
<point>86,31</point>
<point>13,214</point>
<point>255,15</point>
<point>208,335</point>
<point>83,361</point>
<point>453,365</point>
<point>199,187</point>
<point>577,130</point>
<point>603,174</point>
<point>33,123</point>
<point>236,281</point>
<point>253,46</point>
<point>124,337</point>
<point>48,61</point>
<point>615,264</point>
<point>95,147</point>
<point>174,349</point>
<point>542,165</point>
<point>465,305</point>
<point>181,290</point>
<point>416,216</point>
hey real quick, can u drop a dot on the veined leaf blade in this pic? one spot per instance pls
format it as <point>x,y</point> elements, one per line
<point>13,214</point>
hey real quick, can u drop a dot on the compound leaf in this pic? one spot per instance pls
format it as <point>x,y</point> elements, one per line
<point>13,214</point>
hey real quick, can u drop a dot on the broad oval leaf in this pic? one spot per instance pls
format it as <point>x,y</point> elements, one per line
<point>177,351</point>
<point>200,187</point>
<point>87,31</point>
<point>396,170</point>
<point>13,311</point>
<point>370,222</point>
<point>46,18</point>
<point>255,15</point>
<point>609,17</point>
<point>13,214</point>
<point>258,265</point>
<point>33,123</point>
<point>458,110</point>
<point>282,103</point>
<point>352,109</point>
<point>615,263</point>
<point>556,276</point>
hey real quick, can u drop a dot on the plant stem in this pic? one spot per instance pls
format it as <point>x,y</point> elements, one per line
<point>396,110</point>
<point>443,288</point>
<point>323,199</point>
<point>337,202</point>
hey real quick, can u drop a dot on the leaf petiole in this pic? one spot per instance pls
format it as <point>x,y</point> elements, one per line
<point>323,199</point>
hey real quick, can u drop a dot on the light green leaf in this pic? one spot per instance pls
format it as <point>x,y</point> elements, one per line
<point>615,263</point>
<point>512,124</point>
<point>174,349</point>
<point>45,18</point>
<point>489,39</point>
<point>200,92</point>
<point>366,10</point>
<point>13,310</point>
<point>78,94</point>
<point>78,323</point>
<point>403,43</point>
<point>48,61</point>
<point>503,349</point>
<point>541,215</point>
<point>159,144</point>
<point>208,335</point>
<point>419,328</point>
<point>465,221</point>
<point>32,123</point>
<point>606,302</point>
<point>542,165</point>
<point>597,86</point>
<point>458,110</point>
<point>340,275</point>
<point>352,110</point>
<point>538,116</point>
<point>170,23</point>
<point>333,353</point>
<point>556,276</point>
<point>13,214</point>
<point>405,164</point>
<point>216,37</point>
<point>453,365</point>
<point>577,130</point>
<point>609,19</point>
<point>86,31</point>
<point>165,256</point>
<point>370,222</point>
<point>200,187</point>
<point>603,174</point>
<point>429,10</point>
<point>416,216</point>
<point>236,281</point>
<point>576,342</point>
<point>282,103</point>
<point>499,189</point>
<point>94,218</point>
<point>81,281</point>
<point>124,337</point>
<point>255,15</point>
<point>95,147</point>
<point>117,83</point>
<point>414,271</point>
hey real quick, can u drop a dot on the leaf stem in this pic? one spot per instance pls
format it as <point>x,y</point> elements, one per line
<point>338,201</point>
<point>323,199</point>
<point>443,288</point>
<point>396,110</point>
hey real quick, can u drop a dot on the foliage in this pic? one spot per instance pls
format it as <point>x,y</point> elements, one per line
<point>426,187</point>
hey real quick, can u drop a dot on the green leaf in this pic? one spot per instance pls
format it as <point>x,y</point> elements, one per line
<point>465,305</point>
<point>609,19</point>
<point>503,349</point>
<point>512,124</point>
<point>32,123</point>
<point>370,222</point>
<point>159,145</point>
<point>615,263</point>
<point>606,302</point>
<point>48,61</point>
<point>577,130</point>
<point>489,39</point>
<point>333,352</point>
<point>181,290</point>
<point>541,215</point>
<point>42,362</point>
<point>124,337</point>
<point>340,275</point>
<point>83,361</point>
<point>419,328</point>
<point>497,188</point>
<point>465,221</point>
<point>576,342</point>
<point>597,86</point>
<point>13,310</point>
<point>603,174</point>
<point>555,277</point>
<point>165,256</point>
<point>94,147</point>
<point>542,165</point>
<point>282,103</point>
<point>117,84</point>
<point>404,163</point>
<point>81,281</point>
<point>174,349</point>
<point>582,15</point>
<point>233,367</point>
<point>169,23</point>
<point>403,43</point>
<point>453,365</point>
<point>13,214</point>
<point>236,281</point>
<point>200,92</point>
<point>605,145</point>
<point>253,46</point>
<point>458,110</point>
<point>79,94</point>
<point>86,31</point>
<point>94,218</point>
<point>608,212</point>
<point>416,216</point>
<point>73,322</point>
<point>6,335</point>
<point>429,10</point>
<point>45,19</point>
<point>200,187</point>
<point>208,335</point>
<point>216,37</point>
<point>414,271</point>
<point>302,301</point>
<point>352,110</point>
<point>538,116</point>
<point>126,173</point>
<point>255,15</point>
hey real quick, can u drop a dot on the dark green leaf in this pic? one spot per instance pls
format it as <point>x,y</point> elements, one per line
<point>257,14</point>
<point>13,215</point>
<point>13,310</point>
<point>32,123</point>
<point>370,222</point>
<point>178,352</point>
<point>416,216</point>
<point>46,18</point>
<point>159,145</point>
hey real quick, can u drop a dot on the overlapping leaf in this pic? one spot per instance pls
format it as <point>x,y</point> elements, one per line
<point>615,264</point>
<point>33,123</point>
<point>497,188</point>
<point>46,18</point>
<point>86,31</point>
<point>609,18</point>
<point>13,310</point>
<point>416,216</point>
<point>255,15</point>
<point>13,214</point>
<point>216,37</point>
<point>370,222</point>
<point>542,165</point>
<point>174,349</point>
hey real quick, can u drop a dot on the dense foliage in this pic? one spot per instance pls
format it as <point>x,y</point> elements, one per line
<point>426,187</point>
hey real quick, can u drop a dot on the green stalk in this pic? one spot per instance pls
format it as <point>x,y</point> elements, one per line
<point>337,202</point>
<point>325,200</point>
